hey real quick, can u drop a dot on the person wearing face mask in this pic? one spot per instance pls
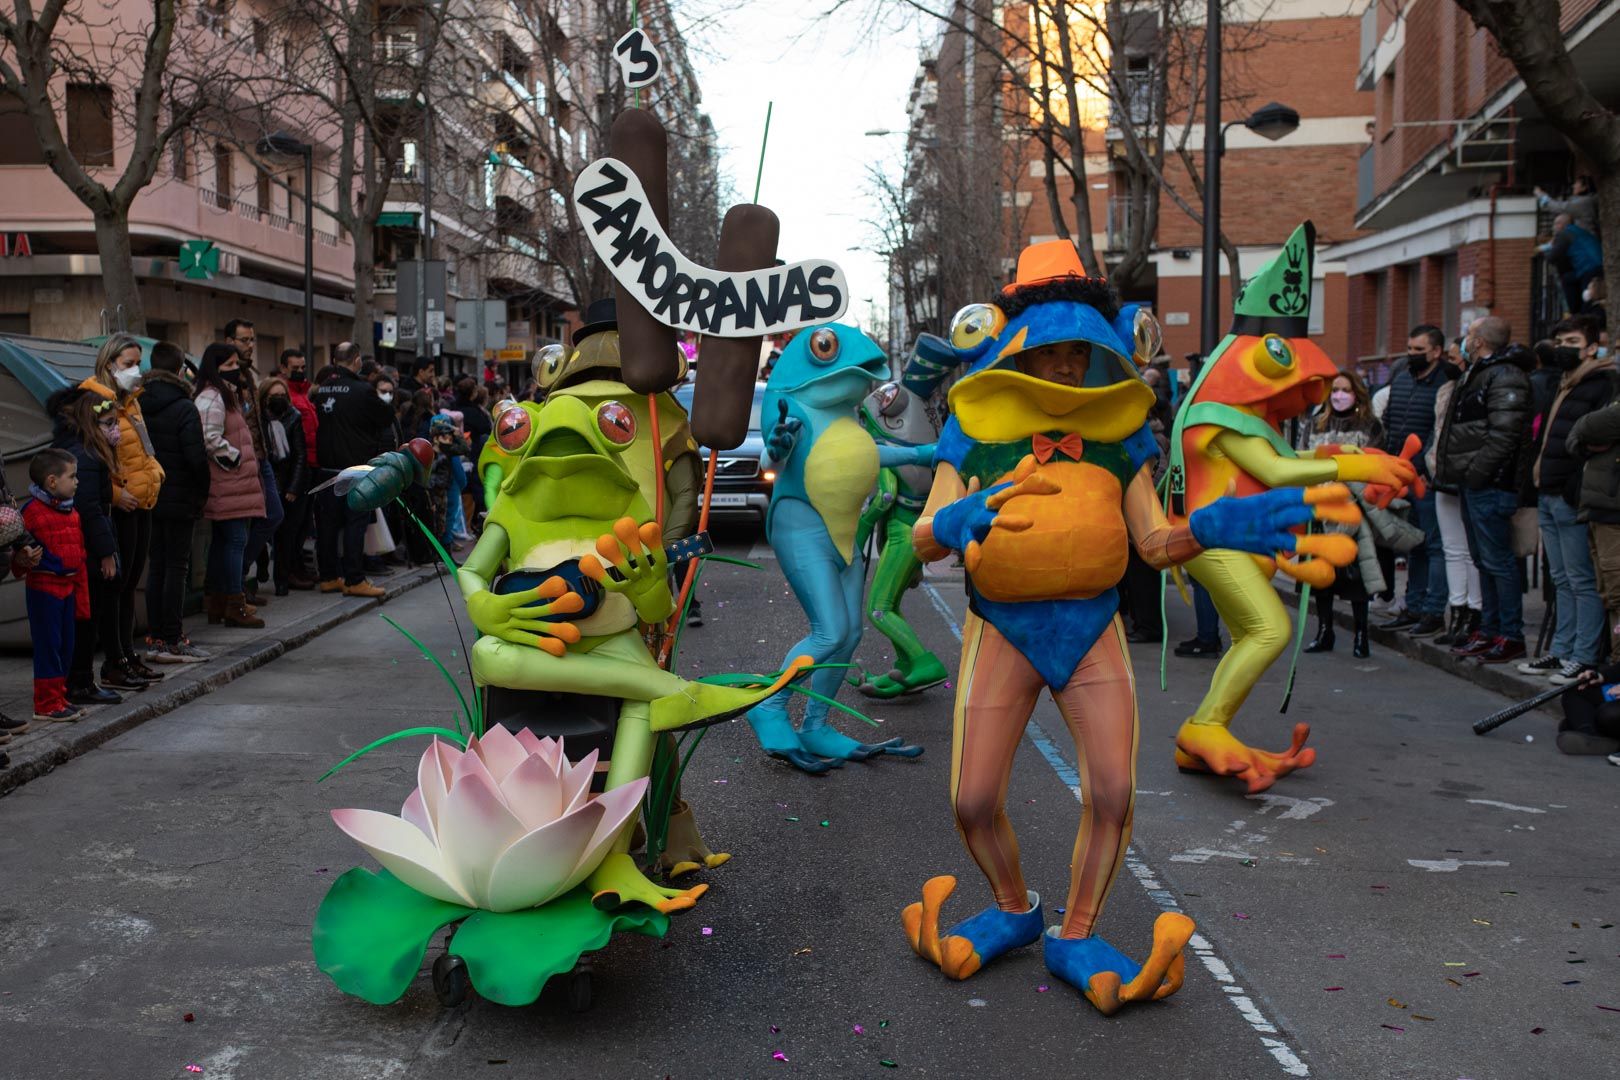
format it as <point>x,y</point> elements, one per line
<point>354,424</point>
<point>1346,419</point>
<point>255,561</point>
<point>1410,411</point>
<point>284,447</point>
<point>177,442</point>
<point>235,492</point>
<point>299,521</point>
<point>1587,384</point>
<point>136,484</point>
<point>85,424</point>
<point>294,368</point>
<point>1462,573</point>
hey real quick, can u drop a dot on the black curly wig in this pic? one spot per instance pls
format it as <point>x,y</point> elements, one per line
<point>1094,292</point>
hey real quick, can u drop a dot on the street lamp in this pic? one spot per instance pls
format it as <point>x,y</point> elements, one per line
<point>1269,122</point>
<point>287,146</point>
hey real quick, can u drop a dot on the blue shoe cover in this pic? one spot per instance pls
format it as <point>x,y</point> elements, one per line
<point>1076,960</point>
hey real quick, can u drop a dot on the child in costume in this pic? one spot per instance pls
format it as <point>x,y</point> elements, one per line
<point>897,414</point>
<point>58,590</point>
<point>1043,479</point>
<point>826,465</point>
<point>1227,436</point>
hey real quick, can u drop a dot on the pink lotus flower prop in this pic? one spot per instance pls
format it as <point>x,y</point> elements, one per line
<point>507,824</point>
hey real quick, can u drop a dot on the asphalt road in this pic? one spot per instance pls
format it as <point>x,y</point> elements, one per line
<point>1421,903</point>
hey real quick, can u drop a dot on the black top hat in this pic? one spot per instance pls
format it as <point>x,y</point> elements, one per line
<point>600,315</point>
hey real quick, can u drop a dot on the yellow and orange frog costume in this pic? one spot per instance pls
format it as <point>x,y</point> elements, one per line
<point>1043,480</point>
<point>1227,438</point>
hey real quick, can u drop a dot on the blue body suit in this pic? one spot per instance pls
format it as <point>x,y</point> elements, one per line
<point>826,466</point>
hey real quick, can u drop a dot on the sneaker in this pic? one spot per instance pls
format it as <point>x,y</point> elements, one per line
<point>1477,643</point>
<point>694,614</point>
<point>64,715</point>
<point>361,588</point>
<point>1547,665</point>
<point>1585,743</point>
<point>122,677</point>
<point>10,726</point>
<point>1614,759</point>
<point>1567,672</point>
<point>335,585</point>
<point>1427,625</point>
<point>1199,647</point>
<point>1503,650</point>
<point>181,652</point>
<point>92,695</point>
<point>1403,620</point>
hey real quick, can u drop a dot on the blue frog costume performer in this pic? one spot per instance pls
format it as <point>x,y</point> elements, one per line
<point>896,413</point>
<point>1043,479</point>
<point>826,465</point>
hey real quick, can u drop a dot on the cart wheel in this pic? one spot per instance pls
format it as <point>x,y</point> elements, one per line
<point>579,990</point>
<point>451,982</point>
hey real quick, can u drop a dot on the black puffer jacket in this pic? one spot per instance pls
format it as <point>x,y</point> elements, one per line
<point>1410,409</point>
<point>292,471</point>
<point>1486,440</point>
<point>1558,472</point>
<point>94,497</point>
<point>1595,441</point>
<point>177,443</point>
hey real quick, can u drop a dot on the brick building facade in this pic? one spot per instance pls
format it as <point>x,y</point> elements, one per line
<point>1445,188</point>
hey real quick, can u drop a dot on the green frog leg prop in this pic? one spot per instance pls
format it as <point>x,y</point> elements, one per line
<point>898,570</point>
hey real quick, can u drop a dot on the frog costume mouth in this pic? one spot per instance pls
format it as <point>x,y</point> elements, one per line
<point>568,443</point>
<point>847,383</point>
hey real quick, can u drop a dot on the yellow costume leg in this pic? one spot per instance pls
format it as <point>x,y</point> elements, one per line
<point>1259,625</point>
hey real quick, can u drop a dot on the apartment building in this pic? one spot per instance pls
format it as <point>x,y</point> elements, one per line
<point>1444,190</point>
<point>206,190</point>
<point>1301,53</point>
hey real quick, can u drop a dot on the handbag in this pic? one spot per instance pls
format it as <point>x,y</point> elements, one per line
<point>379,540</point>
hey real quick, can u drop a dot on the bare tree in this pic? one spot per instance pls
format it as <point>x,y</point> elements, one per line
<point>1530,35</point>
<point>70,60</point>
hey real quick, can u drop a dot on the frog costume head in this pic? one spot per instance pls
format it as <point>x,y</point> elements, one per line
<point>831,366</point>
<point>1051,302</point>
<point>567,457</point>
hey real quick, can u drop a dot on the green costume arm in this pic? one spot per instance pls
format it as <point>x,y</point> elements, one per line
<point>1257,458</point>
<point>484,561</point>
<point>493,475</point>
<point>683,481</point>
<point>877,507</point>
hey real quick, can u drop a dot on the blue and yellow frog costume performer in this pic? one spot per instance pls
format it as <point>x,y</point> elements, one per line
<point>1043,478</point>
<point>826,465</point>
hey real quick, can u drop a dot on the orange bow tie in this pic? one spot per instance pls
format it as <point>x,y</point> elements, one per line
<point>1070,446</point>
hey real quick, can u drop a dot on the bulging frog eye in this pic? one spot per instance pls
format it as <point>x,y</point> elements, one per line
<point>548,362</point>
<point>824,346</point>
<point>512,429</point>
<point>890,399</point>
<point>1275,357</point>
<point>617,423</point>
<point>974,323</point>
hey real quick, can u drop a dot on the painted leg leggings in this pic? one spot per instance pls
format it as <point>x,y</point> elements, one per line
<point>896,567</point>
<point>997,692</point>
<point>1254,615</point>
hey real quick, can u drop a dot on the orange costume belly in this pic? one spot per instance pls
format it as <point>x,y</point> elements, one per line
<point>1077,546</point>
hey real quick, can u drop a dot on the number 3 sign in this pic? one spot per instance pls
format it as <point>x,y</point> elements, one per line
<point>639,61</point>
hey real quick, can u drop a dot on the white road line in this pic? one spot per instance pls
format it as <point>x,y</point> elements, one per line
<point>1508,806</point>
<point>1277,1047</point>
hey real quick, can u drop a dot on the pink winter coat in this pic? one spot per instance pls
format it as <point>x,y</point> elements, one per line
<point>233,492</point>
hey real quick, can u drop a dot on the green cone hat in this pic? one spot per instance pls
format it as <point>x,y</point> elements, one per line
<point>1277,299</point>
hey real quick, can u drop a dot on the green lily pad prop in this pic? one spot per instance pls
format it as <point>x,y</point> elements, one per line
<point>372,931</point>
<point>511,954</point>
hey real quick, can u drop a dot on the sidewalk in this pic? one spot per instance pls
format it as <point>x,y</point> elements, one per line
<point>290,621</point>
<point>1501,678</point>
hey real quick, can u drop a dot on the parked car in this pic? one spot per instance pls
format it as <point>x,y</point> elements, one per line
<point>742,492</point>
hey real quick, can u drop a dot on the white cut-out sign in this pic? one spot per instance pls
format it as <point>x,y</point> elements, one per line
<point>678,292</point>
<point>639,62</point>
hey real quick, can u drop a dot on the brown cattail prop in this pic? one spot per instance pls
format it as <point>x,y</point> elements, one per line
<point>727,367</point>
<point>647,347</point>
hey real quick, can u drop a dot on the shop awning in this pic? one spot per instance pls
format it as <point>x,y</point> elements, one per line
<point>398,219</point>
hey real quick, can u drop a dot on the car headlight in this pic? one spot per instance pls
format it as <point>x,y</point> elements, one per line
<point>769,475</point>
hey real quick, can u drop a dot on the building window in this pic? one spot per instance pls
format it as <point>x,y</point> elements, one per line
<point>180,156</point>
<point>1381,313</point>
<point>1317,323</point>
<point>18,145</point>
<point>89,123</point>
<point>223,184</point>
<point>215,16</point>
<point>1414,296</point>
<point>261,38</point>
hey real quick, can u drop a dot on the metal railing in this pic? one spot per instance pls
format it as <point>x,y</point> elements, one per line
<point>1141,101</point>
<point>1119,222</point>
<point>399,49</point>
<point>385,279</point>
<point>217,200</point>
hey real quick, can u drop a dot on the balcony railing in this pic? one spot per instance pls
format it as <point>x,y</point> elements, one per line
<point>385,279</point>
<point>1119,222</point>
<point>399,50</point>
<point>218,200</point>
<point>1141,101</point>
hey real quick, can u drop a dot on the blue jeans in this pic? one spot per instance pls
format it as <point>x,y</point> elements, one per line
<point>1488,516</point>
<point>1209,620</point>
<point>1426,588</point>
<point>1569,557</point>
<point>224,575</point>
<point>262,529</point>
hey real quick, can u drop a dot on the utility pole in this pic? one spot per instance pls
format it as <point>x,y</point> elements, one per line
<point>424,347</point>
<point>1211,282</point>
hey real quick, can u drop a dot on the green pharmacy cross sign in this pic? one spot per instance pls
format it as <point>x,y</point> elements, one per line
<point>199,259</point>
